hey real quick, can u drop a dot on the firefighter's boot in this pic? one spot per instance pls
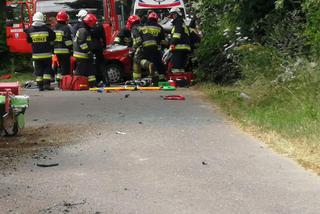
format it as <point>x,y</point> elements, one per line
<point>58,80</point>
<point>39,81</point>
<point>40,85</point>
<point>92,81</point>
<point>47,86</point>
<point>136,71</point>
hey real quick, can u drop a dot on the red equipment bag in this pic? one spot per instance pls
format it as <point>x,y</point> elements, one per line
<point>74,83</point>
<point>188,76</point>
<point>14,87</point>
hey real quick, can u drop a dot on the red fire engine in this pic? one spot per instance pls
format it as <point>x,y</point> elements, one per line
<point>19,17</point>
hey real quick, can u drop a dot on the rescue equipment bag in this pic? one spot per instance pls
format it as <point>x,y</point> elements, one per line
<point>74,83</point>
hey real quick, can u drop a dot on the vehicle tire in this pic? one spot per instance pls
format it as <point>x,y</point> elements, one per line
<point>10,125</point>
<point>114,73</point>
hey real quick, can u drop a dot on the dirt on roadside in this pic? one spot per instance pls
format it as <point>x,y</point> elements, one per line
<point>34,139</point>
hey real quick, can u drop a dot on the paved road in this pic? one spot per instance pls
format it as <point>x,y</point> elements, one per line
<point>142,154</point>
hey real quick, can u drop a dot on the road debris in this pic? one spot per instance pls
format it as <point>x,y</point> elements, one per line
<point>245,96</point>
<point>121,133</point>
<point>174,97</point>
<point>47,165</point>
<point>64,207</point>
<point>204,163</point>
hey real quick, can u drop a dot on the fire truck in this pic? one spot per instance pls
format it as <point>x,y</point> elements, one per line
<point>19,17</point>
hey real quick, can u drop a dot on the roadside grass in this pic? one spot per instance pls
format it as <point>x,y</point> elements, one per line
<point>286,117</point>
<point>21,77</point>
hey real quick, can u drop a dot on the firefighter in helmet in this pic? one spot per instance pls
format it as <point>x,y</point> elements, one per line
<point>82,49</point>
<point>81,14</point>
<point>124,37</point>
<point>133,24</point>
<point>41,38</point>
<point>62,45</point>
<point>180,41</point>
<point>153,37</point>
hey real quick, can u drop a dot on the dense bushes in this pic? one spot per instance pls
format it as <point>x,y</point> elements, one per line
<point>287,29</point>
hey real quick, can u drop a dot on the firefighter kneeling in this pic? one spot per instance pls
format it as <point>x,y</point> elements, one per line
<point>82,49</point>
<point>145,46</point>
<point>41,38</point>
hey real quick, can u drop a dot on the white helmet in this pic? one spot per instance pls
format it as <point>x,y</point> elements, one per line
<point>82,13</point>
<point>38,17</point>
<point>175,10</point>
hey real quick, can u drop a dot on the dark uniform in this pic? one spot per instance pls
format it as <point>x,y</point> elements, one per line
<point>75,28</point>
<point>63,48</point>
<point>124,38</point>
<point>41,38</point>
<point>82,51</point>
<point>152,35</point>
<point>99,43</point>
<point>137,50</point>
<point>180,40</point>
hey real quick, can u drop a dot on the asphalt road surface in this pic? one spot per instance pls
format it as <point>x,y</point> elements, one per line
<point>133,152</point>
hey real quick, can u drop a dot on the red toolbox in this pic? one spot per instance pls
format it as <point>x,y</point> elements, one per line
<point>14,87</point>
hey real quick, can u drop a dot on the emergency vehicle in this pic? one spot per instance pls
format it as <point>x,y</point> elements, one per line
<point>19,17</point>
<point>162,8</point>
<point>141,6</point>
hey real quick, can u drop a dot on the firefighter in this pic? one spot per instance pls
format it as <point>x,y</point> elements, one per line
<point>151,32</point>
<point>133,24</point>
<point>99,43</point>
<point>124,37</point>
<point>41,38</point>
<point>180,41</point>
<point>82,49</point>
<point>81,14</point>
<point>62,45</point>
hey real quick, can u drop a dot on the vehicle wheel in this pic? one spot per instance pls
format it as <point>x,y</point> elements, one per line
<point>10,125</point>
<point>114,73</point>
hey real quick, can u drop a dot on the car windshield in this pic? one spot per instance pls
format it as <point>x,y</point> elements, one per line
<point>51,7</point>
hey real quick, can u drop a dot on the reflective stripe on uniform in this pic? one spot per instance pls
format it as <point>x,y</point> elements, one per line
<point>39,37</point>
<point>144,63</point>
<point>175,70</point>
<point>137,41</point>
<point>47,77</point>
<point>117,40</point>
<point>91,78</point>
<point>59,35</point>
<point>149,43</point>
<point>182,47</point>
<point>68,43</point>
<point>41,55</point>
<point>39,79</point>
<point>84,46</point>
<point>77,54</point>
<point>176,35</point>
<point>153,30</point>
<point>61,50</point>
<point>59,77</point>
